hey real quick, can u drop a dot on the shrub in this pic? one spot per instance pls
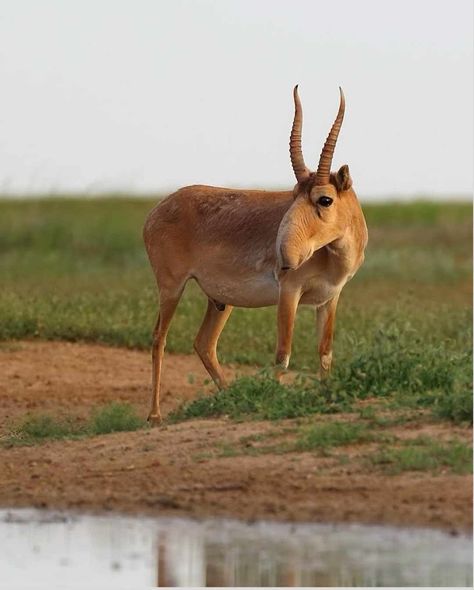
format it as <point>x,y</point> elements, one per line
<point>115,417</point>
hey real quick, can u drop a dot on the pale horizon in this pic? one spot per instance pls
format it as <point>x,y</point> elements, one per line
<point>119,96</point>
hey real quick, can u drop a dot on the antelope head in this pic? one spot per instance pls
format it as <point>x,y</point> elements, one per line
<point>321,211</point>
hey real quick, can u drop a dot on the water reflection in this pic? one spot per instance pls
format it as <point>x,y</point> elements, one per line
<point>265,554</point>
<point>42,549</point>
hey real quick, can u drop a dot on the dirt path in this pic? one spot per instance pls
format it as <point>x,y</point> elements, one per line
<point>185,468</point>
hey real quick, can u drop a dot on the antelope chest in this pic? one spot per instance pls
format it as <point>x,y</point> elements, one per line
<point>321,282</point>
<point>320,291</point>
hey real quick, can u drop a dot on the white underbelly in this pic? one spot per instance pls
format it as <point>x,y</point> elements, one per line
<point>258,290</point>
<point>261,291</point>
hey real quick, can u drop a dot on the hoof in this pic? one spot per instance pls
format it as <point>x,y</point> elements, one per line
<point>322,375</point>
<point>279,374</point>
<point>154,419</point>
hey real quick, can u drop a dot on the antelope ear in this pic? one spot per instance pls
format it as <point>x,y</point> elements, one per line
<point>343,178</point>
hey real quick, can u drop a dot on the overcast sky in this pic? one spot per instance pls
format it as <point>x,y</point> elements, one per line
<point>150,95</point>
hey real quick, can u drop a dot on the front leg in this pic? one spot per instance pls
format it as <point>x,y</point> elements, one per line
<point>287,306</point>
<point>325,321</point>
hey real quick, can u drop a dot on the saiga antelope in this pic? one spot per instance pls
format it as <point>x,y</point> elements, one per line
<point>254,248</point>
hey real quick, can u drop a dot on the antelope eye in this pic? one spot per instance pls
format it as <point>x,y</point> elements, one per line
<point>324,201</point>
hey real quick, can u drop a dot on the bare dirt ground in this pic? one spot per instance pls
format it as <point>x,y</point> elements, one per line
<point>182,469</point>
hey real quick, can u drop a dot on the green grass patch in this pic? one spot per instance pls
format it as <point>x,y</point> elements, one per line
<point>416,213</point>
<point>262,397</point>
<point>115,417</point>
<point>307,438</point>
<point>332,434</point>
<point>37,428</point>
<point>416,376</point>
<point>425,454</point>
<point>43,427</point>
<point>387,365</point>
<point>455,404</point>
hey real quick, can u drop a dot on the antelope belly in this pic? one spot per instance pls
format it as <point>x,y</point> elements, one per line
<point>258,290</point>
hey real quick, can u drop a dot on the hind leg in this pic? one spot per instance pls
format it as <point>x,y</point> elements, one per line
<point>168,303</point>
<point>206,341</point>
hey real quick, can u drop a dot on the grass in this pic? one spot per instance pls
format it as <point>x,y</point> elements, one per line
<point>455,404</point>
<point>44,427</point>
<point>262,397</point>
<point>76,270</point>
<point>425,454</point>
<point>115,417</point>
<point>319,438</point>
<point>393,457</point>
<point>416,378</point>
<point>332,434</point>
<point>37,428</point>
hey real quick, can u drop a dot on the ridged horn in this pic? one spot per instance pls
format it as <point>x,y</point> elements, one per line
<point>325,159</point>
<point>296,153</point>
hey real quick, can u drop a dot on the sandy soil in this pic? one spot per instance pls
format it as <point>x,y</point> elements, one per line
<point>183,468</point>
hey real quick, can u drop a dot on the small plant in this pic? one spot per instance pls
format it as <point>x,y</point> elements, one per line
<point>425,454</point>
<point>42,426</point>
<point>332,434</point>
<point>367,413</point>
<point>456,404</point>
<point>115,417</point>
<point>315,437</point>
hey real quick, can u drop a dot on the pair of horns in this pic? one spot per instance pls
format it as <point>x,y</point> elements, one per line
<point>325,159</point>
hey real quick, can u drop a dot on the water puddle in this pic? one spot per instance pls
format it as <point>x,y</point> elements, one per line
<point>58,550</point>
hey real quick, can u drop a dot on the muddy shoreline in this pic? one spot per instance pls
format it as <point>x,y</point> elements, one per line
<point>175,470</point>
